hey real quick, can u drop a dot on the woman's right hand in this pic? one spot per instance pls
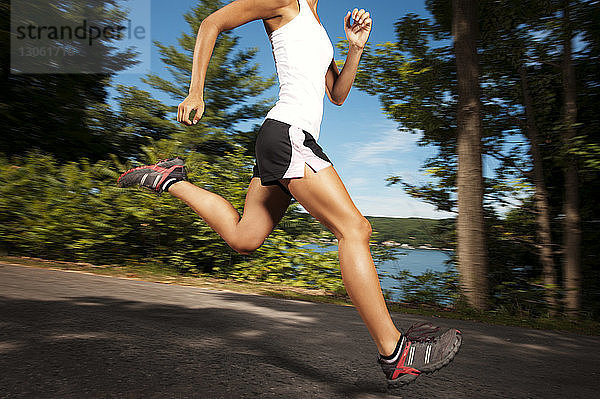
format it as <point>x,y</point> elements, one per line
<point>191,103</point>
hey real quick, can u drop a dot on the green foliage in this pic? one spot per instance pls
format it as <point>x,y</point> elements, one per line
<point>282,260</point>
<point>415,84</point>
<point>415,79</point>
<point>233,91</point>
<point>75,212</point>
<point>439,289</point>
<point>140,120</point>
<point>49,112</point>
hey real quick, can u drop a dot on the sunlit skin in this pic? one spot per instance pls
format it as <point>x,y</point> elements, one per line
<point>322,194</point>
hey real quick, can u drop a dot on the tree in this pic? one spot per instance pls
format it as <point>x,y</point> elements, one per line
<point>418,84</point>
<point>470,225</point>
<point>509,50</point>
<point>543,33</point>
<point>572,230</point>
<point>138,121</point>
<point>49,112</point>
<point>521,49</point>
<point>541,197</point>
<point>232,93</point>
<point>586,145</point>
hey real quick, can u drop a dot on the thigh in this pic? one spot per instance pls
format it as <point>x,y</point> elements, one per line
<point>325,197</point>
<point>263,209</point>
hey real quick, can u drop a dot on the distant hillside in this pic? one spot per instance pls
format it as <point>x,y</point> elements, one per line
<point>438,233</point>
<point>414,231</point>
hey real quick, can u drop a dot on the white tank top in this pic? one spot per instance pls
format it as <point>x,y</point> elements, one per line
<point>303,53</point>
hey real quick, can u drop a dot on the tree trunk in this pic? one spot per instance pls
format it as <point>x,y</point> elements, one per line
<point>572,231</point>
<point>541,200</point>
<point>472,258</point>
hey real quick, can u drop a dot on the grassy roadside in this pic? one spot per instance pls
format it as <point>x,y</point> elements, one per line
<point>156,274</point>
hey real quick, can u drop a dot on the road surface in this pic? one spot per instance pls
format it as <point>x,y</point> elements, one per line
<point>74,335</point>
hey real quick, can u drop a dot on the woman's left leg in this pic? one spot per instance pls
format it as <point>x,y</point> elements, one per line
<point>324,196</point>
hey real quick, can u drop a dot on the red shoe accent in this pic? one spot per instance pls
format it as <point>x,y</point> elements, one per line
<point>400,368</point>
<point>139,167</point>
<point>405,370</point>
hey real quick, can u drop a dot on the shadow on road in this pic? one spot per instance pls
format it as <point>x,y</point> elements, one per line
<point>71,335</point>
<point>102,346</point>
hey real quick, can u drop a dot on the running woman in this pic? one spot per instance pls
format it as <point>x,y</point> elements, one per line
<point>290,163</point>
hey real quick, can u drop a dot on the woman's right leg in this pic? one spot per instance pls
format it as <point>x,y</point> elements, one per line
<point>324,196</point>
<point>263,209</point>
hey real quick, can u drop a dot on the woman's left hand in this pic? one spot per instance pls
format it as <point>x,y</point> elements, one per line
<point>358,32</point>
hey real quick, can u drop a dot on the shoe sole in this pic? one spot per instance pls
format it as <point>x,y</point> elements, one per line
<point>408,378</point>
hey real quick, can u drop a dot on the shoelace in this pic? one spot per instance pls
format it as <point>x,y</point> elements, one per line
<point>421,332</point>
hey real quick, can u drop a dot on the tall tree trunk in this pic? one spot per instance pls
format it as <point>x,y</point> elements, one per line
<point>541,199</point>
<point>572,231</point>
<point>472,257</point>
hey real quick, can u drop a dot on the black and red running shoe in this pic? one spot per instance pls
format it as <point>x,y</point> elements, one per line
<point>158,177</point>
<point>423,348</point>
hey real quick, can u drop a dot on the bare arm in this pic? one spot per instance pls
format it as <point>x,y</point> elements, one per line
<point>338,84</point>
<point>231,16</point>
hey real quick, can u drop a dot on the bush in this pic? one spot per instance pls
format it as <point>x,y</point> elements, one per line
<point>75,212</point>
<point>439,289</point>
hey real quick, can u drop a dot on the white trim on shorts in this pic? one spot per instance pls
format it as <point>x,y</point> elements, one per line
<point>301,154</point>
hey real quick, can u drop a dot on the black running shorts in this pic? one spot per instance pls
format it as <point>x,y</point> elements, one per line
<point>282,150</point>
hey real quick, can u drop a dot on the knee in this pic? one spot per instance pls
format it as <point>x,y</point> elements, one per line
<point>359,228</point>
<point>366,229</point>
<point>246,246</point>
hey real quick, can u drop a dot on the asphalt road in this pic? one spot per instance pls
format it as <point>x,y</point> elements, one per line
<point>74,335</point>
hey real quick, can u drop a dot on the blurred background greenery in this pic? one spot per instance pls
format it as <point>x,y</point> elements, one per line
<point>64,147</point>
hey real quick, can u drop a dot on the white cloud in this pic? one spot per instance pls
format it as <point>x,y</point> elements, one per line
<point>384,149</point>
<point>356,182</point>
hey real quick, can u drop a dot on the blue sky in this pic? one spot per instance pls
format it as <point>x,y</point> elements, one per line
<point>363,144</point>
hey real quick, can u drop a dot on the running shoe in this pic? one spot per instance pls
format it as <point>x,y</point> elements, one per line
<point>423,348</point>
<point>158,177</point>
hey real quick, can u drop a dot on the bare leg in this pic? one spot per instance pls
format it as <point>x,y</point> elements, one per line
<point>324,196</point>
<point>263,208</point>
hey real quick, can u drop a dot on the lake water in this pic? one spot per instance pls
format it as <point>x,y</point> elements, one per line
<point>416,261</point>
